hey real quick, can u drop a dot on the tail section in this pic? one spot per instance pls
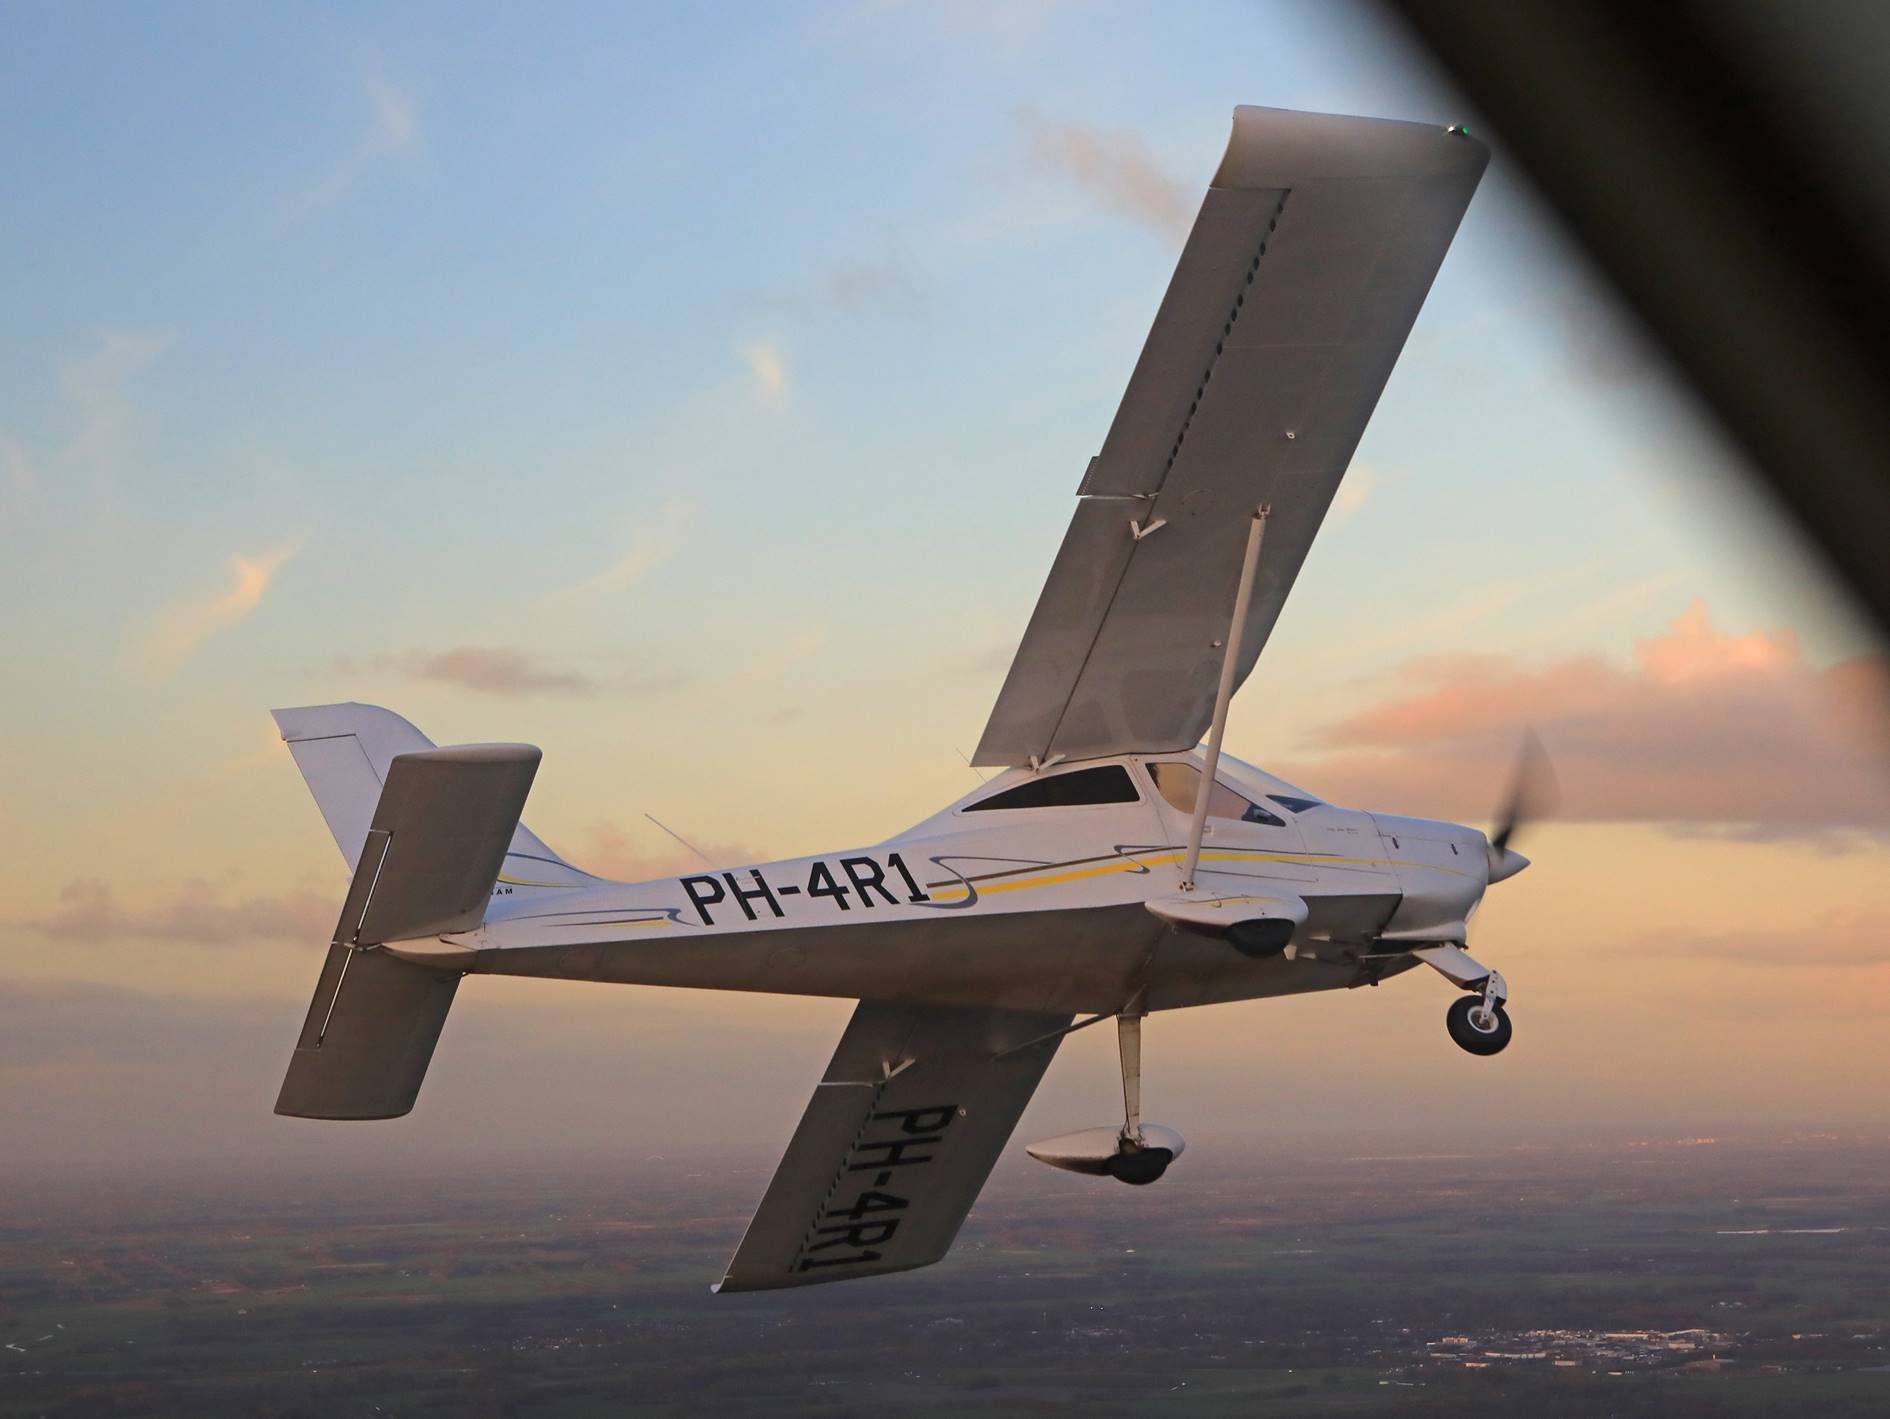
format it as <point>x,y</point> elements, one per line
<point>344,752</point>
<point>430,835</point>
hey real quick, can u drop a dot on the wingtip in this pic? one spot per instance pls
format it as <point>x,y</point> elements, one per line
<point>1279,147</point>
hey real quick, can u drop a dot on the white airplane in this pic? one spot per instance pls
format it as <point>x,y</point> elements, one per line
<point>1114,868</point>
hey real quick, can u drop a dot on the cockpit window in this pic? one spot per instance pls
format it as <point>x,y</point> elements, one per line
<point>1295,805</point>
<point>1178,784</point>
<point>1109,783</point>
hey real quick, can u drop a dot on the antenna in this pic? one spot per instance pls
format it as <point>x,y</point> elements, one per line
<point>968,764</point>
<point>683,840</point>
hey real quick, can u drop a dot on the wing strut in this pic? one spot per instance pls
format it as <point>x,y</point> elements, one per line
<point>1129,1046</point>
<point>1230,659</point>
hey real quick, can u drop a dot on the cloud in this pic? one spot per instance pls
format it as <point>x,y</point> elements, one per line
<point>1114,168</point>
<point>393,127</point>
<point>867,285</point>
<point>889,283</point>
<point>780,657</point>
<point>396,121</point>
<point>764,363</point>
<point>101,414</point>
<point>94,387</point>
<point>172,636</point>
<point>1704,729</point>
<point>653,542</point>
<point>89,913</point>
<point>1839,938</point>
<point>1361,481</point>
<point>493,670</point>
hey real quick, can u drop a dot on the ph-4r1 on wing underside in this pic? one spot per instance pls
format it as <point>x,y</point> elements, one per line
<point>1112,870</point>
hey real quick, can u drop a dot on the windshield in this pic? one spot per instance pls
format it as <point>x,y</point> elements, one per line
<point>1178,783</point>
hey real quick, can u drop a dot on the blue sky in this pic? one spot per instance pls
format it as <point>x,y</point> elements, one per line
<point>714,382</point>
<point>459,313</point>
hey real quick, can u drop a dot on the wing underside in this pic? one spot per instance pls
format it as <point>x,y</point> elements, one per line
<point>1297,287</point>
<point>899,1137</point>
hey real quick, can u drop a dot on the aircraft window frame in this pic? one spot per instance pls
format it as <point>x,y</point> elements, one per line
<point>1225,803</point>
<point>1047,784</point>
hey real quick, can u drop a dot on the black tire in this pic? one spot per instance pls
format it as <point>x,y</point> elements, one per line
<point>1467,1035</point>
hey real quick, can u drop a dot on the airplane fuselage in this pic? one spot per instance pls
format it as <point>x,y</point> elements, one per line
<point>1036,907</point>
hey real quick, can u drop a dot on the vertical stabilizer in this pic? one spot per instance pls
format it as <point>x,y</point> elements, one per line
<point>344,752</point>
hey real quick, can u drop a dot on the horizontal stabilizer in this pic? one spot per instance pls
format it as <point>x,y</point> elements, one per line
<point>431,852</point>
<point>437,841</point>
<point>368,1038</point>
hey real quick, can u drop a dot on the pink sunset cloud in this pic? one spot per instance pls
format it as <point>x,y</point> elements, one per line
<point>198,913</point>
<point>1845,938</point>
<point>1738,733</point>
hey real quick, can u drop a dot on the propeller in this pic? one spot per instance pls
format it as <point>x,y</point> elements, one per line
<point>1533,794</point>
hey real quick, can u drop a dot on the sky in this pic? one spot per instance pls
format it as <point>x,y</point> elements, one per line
<point>699,393</point>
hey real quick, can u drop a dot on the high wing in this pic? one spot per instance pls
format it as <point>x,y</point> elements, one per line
<point>899,1137</point>
<point>1302,277</point>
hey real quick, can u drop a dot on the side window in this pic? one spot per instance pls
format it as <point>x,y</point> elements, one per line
<point>1178,784</point>
<point>1079,788</point>
<point>1295,805</point>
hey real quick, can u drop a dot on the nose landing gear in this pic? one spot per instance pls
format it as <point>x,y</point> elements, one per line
<point>1478,1027</point>
<point>1477,1022</point>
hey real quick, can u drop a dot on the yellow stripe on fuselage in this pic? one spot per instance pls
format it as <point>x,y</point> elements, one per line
<point>640,921</point>
<point>1169,859</point>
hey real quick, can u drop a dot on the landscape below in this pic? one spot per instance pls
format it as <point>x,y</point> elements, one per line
<point>1676,1277</point>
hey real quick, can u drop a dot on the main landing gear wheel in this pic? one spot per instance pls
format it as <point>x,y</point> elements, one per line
<point>1138,1164</point>
<point>1479,1028</point>
<point>1137,1153</point>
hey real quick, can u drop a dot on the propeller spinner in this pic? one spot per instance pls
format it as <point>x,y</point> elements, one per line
<point>1533,794</point>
